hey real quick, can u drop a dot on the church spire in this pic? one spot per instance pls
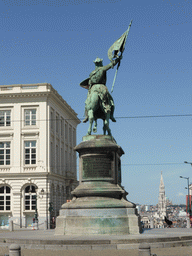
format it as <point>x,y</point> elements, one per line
<point>162,186</point>
<point>162,199</point>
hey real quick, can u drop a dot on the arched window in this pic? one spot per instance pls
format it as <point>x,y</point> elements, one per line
<point>5,198</point>
<point>30,198</point>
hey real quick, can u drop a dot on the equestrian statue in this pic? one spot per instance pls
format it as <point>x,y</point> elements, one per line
<point>99,102</point>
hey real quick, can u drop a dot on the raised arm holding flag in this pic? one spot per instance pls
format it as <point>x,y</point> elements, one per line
<point>117,49</point>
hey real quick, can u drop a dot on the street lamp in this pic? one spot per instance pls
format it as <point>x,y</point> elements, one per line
<point>185,162</point>
<point>187,178</point>
<point>51,211</point>
<point>36,197</point>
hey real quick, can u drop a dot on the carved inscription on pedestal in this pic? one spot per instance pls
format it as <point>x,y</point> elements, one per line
<point>96,167</point>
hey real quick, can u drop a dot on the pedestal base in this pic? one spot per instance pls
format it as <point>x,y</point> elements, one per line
<point>99,204</point>
<point>97,215</point>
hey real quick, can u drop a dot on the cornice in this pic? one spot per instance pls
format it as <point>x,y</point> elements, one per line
<point>20,85</point>
<point>24,95</point>
<point>12,175</point>
<point>38,175</point>
<point>32,133</point>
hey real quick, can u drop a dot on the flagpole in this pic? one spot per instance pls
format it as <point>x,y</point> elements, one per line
<point>120,55</point>
<point>114,80</point>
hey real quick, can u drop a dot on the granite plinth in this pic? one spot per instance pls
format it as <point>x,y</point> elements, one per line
<point>99,204</point>
<point>97,221</point>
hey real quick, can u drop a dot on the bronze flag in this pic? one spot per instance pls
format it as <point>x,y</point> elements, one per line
<point>119,45</point>
<point>116,48</point>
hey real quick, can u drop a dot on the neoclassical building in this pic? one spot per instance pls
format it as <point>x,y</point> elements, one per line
<point>37,161</point>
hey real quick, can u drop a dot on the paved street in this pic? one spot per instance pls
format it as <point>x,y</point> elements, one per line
<point>44,243</point>
<point>49,235</point>
<point>178,251</point>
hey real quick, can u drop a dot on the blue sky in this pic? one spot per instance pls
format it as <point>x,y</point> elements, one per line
<point>56,41</point>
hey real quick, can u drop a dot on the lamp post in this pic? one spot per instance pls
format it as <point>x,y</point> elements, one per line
<point>186,162</point>
<point>36,197</point>
<point>51,211</point>
<point>188,209</point>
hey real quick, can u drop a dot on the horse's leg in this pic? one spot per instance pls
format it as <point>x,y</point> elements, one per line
<point>95,126</point>
<point>92,107</point>
<point>91,118</point>
<point>106,125</point>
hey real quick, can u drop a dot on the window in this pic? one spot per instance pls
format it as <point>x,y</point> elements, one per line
<point>62,158</point>
<point>66,160</point>
<point>68,193</point>
<point>57,123</point>
<point>30,152</point>
<point>30,198</point>
<point>4,153</point>
<point>66,130</point>
<point>52,155</point>
<point>62,195</point>
<point>5,117</point>
<point>74,138</point>
<point>62,122</point>
<point>5,198</point>
<point>70,134</point>
<point>58,157</point>
<point>52,126</point>
<point>30,116</point>
<point>70,163</point>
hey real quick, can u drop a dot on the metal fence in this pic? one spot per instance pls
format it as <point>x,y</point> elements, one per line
<point>33,227</point>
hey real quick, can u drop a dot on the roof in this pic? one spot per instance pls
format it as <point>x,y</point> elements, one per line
<point>39,89</point>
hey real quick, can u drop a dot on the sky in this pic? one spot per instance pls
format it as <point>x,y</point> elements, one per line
<point>56,41</point>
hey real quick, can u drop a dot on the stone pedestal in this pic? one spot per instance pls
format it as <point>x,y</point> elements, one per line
<point>99,204</point>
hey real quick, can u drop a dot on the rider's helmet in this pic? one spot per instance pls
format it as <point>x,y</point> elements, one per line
<point>98,62</point>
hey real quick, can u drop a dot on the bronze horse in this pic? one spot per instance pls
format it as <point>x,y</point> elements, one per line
<point>98,106</point>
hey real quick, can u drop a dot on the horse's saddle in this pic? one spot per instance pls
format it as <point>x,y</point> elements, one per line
<point>101,89</point>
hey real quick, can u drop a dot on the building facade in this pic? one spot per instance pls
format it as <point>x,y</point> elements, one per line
<point>148,221</point>
<point>37,161</point>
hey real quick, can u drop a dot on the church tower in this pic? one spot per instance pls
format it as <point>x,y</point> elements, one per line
<point>162,199</point>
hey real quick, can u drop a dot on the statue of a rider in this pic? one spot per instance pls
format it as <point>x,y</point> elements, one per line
<point>99,76</point>
<point>99,102</point>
